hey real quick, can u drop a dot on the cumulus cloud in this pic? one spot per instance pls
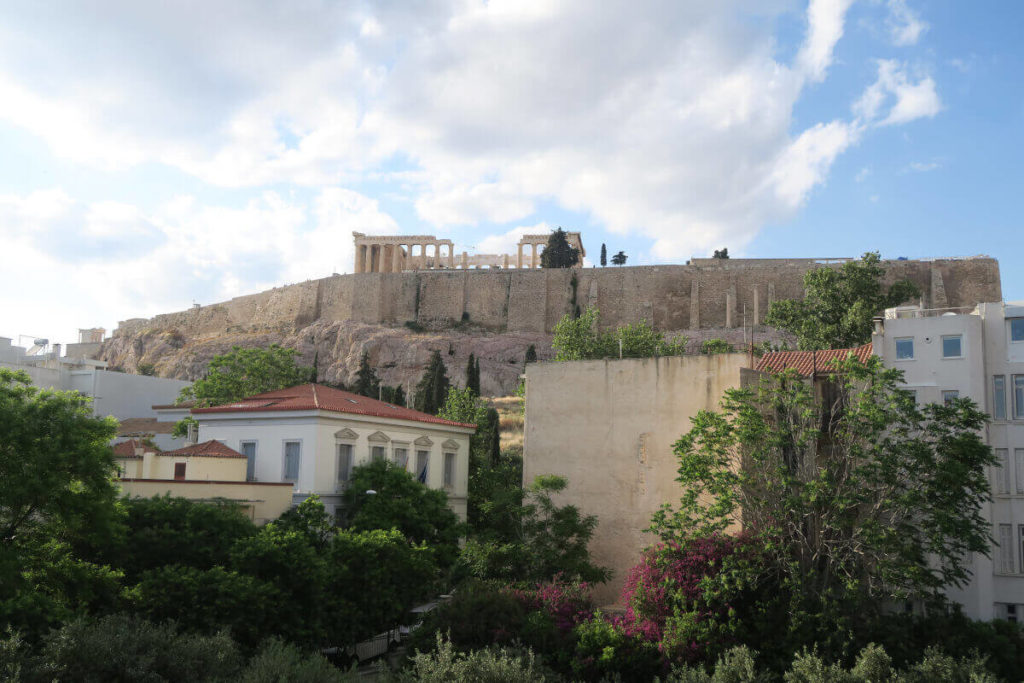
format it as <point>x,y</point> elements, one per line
<point>910,100</point>
<point>668,120</point>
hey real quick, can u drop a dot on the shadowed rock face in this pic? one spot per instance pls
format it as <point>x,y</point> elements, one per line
<point>398,354</point>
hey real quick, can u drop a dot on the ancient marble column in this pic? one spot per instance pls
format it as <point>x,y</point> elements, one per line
<point>359,258</point>
<point>519,255</point>
<point>451,256</point>
<point>533,256</point>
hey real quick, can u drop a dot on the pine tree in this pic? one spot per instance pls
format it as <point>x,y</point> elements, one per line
<point>432,389</point>
<point>604,255</point>
<point>315,372</point>
<point>493,435</point>
<point>531,354</point>
<point>367,382</point>
<point>476,377</point>
<point>620,258</point>
<point>398,396</point>
<point>558,253</point>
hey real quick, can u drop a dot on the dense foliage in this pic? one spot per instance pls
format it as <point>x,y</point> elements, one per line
<point>579,338</point>
<point>559,253</point>
<point>853,487</point>
<point>421,514</point>
<point>712,346</point>
<point>839,304</point>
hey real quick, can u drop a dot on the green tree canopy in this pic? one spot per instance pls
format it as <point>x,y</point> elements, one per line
<point>839,304</point>
<point>620,258</point>
<point>239,373</point>
<point>863,495</point>
<point>473,374</point>
<point>559,253</point>
<point>580,339</point>
<point>433,386</point>
<point>722,253</point>
<point>604,255</point>
<point>531,354</point>
<point>401,502</point>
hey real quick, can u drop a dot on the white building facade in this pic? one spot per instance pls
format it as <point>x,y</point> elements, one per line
<point>313,436</point>
<point>976,354</point>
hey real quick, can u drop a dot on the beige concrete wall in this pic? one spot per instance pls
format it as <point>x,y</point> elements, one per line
<point>609,426</point>
<point>262,503</point>
<point>672,297</point>
<point>196,468</point>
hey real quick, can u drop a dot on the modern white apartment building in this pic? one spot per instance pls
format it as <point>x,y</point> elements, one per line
<point>978,354</point>
<point>312,436</point>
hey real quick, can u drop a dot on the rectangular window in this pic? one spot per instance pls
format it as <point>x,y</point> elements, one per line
<point>1017,329</point>
<point>999,397</point>
<point>402,458</point>
<point>449,470</point>
<point>1002,471</point>
<point>377,452</point>
<point>1018,397</point>
<point>344,462</point>
<point>912,393</point>
<point>950,395</point>
<point>422,460</point>
<point>905,348</point>
<point>179,471</point>
<point>952,346</point>
<point>249,451</point>
<point>1018,463</point>
<point>1020,545</point>
<point>1006,549</point>
<point>292,453</point>
<point>1006,611</point>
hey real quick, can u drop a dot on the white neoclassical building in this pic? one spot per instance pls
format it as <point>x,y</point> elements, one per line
<point>979,354</point>
<point>312,436</point>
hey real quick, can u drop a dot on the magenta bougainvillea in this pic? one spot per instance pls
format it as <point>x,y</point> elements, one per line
<point>568,604</point>
<point>673,596</point>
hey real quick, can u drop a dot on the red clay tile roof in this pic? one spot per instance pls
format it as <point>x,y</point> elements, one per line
<point>168,406</point>
<point>131,426</point>
<point>206,449</point>
<point>126,449</point>
<point>319,397</point>
<point>806,362</point>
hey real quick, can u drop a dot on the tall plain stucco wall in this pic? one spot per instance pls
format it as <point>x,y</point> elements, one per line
<point>608,427</point>
<point>672,297</point>
<point>262,503</point>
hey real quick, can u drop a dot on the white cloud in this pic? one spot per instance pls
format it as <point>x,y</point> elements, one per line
<point>507,243</point>
<point>912,100</point>
<point>824,29</point>
<point>904,24</point>
<point>672,122</point>
<point>207,253</point>
<point>862,175</point>
<point>923,166</point>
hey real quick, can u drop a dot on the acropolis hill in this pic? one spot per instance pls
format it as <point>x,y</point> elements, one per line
<point>497,312</point>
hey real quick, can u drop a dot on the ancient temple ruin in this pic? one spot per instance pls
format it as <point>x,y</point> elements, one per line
<point>400,253</point>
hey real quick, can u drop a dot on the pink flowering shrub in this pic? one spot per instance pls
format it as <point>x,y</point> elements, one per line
<point>568,604</point>
<point>681,596</point>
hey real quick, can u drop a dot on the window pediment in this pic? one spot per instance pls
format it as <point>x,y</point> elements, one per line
<point>424,441</point>
<point>379,437</point>
<point>346,433</point>
<point>450,445</point>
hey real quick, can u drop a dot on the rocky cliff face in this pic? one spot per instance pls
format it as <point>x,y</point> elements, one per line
<point>398,354</point>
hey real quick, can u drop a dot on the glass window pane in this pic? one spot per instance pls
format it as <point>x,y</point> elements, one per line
<point>344,461</point>
<point>1018,462</point>
<point>950,395</point>
<point>952,347</point>
<point>402,458</point>
<point>249,451</point>
<point>905,348</point>
<point>1017,329</point>
<point>291,460</point>
<point>422,458</point>
<point>1002,472</point>
<point>999,397</point>
<point>1018,396</point>
<point>1006,549</point>
<point>377,453</point>
<point>449,469</point>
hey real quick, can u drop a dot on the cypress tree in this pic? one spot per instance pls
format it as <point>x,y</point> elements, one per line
<point>367,382</point>
<point>476,377</point>
<point>531,354</point>
<point>604,255</point>
<point>432,389</point>
<point>473,375</point>
<point>493,444</point>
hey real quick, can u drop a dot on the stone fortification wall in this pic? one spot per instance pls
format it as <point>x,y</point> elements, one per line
<point>701,295</point>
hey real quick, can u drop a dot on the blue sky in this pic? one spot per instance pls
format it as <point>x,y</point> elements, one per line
<point>155,156</point>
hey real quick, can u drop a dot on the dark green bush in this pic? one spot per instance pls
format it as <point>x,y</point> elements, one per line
<point>477,616</point>
<point>279,662</point>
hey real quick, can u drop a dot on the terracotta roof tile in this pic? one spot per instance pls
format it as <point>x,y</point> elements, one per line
<point>319,397</point>
<point>806,362</point>
<point>126,449</point>
<point>206,449</point>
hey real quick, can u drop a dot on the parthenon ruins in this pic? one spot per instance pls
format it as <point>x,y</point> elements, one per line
<point>398,253</point>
